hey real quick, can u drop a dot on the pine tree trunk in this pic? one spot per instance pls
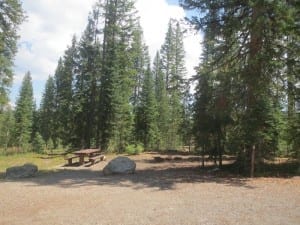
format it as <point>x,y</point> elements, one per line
<point>203,156</point>
<point>252,161</point>
<point>219,149</point>
<point>254,84</point>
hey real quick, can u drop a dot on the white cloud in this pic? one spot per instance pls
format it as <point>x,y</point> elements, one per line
<point>154,17</point>
<point>51,24</point>
<point>193,51</point>
<point>48,30</point>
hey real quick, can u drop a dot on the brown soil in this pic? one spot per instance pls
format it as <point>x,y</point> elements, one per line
<point>168,191</point>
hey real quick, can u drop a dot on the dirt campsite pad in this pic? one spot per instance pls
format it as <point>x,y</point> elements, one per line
<point>171,191</point>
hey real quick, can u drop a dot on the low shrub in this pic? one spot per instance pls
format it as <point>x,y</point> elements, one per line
<point>134,149</point>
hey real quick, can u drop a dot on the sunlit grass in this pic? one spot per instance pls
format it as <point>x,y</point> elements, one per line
<point>44,162</point>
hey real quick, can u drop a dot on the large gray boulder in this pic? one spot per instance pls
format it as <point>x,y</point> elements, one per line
<point>27,170</point>
<point>120,165</point>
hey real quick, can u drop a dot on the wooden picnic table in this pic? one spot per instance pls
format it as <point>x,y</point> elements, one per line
<point>86,153</point>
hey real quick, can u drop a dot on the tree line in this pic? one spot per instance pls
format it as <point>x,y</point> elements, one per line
<point>107,93</point>
<point>248,81</point>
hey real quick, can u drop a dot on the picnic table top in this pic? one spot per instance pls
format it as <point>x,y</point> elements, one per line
<point>87,151</point>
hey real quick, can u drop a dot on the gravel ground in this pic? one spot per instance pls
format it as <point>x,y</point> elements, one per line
<point>158,193</point>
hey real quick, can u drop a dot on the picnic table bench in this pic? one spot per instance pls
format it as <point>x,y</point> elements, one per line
<point>92,159</point>
<point>70,159</point>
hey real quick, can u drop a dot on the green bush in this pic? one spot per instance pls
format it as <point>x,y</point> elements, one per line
<point>134,149</point>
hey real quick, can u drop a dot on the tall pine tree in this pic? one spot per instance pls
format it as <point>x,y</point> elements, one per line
<point>147,113</point>
<point>117,79</point>
<point>173,66</point>
<point>162,103</point>
<point>48,114</point>
<point>24,114</point>
<point>250,40</point>
<point>86,83</point>
<point>64,76</point>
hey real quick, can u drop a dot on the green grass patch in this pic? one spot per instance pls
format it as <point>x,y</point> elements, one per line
<point>44,162</point>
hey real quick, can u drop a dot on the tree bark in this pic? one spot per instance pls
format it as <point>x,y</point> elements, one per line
<point>203,155</point>
<point>252,161</point>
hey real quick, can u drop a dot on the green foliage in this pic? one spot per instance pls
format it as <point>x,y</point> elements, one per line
<point>24,114</point>
<point>48,117</point>
<point>35,121</point>
<point>38,144</point>
<point>7,123</point>
<point>146,126</point>
<point>293,133</point>
<point>117,80</point>
<point>202,116</point>
<point>104,93</point>
<point>187,116</point>
<point>244,61</point>
<point>11,16</point>
<point>63,94</point>
<point>49,145</point>
<point>87,77</point>
<point>173,67</point>
<point>140,61</point>
<point>162,103</point>
<point>134,149</point>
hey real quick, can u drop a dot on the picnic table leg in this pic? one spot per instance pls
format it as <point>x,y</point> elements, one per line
<point>81,159</point>
<point>70,161</point>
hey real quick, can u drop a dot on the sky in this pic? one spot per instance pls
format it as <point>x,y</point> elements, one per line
<point>50,25</point>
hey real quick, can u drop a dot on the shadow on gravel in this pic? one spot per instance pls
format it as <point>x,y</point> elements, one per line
<point>160,178</point>
<point>159,171</point>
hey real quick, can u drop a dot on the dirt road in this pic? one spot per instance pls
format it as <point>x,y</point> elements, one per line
<point>158,193</point>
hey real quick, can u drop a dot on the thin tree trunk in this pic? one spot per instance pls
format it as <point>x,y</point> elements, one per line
<point>203,155</point>
<point>252,161</point>
<point>220,152</point>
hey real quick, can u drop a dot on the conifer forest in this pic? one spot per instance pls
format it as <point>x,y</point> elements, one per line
<point>108,93</point>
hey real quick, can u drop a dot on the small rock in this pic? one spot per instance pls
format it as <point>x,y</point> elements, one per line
<point>216,169</point>
<point>25,171</point>
<point>120,165</point>
<point>158,159</point>
<point>177,158</point>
